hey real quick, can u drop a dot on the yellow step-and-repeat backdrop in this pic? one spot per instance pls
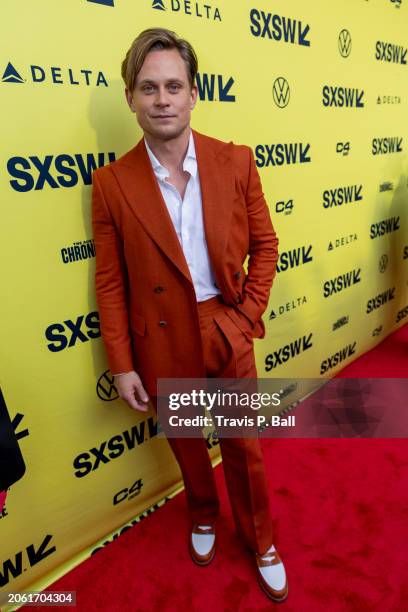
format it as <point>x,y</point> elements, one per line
<point>320,93</point>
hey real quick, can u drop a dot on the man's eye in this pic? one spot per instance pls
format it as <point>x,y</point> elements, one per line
<point>174,86</point>
<point>148,88</point>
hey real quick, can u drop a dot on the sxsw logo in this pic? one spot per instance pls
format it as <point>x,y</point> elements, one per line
<point>278,28</point>
<point>55,75</point>
<point>386,186</point>
<point>66,334</point>
<point>90,460</point>
<point>380,299</point>
<point>288,351</point>
<point>382,146</point>
<point>387,226</point>
<point>294,258</point>
<point>25,559</point>
<point>57,171</point>
<point>342,195</point>
<point>338,357</point>
<point>213,87</point>
<point>188,7</point>
<point>388,52</point>
<point>343,96</point>
<point>402,314</point>
<point>340,282</point>
<point>282,153</point>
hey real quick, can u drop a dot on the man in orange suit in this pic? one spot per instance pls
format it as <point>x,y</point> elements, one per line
<point>174,219</point>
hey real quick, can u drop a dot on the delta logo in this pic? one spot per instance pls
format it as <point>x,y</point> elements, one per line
<point>342,195</point>
<point>389,52</point>
<point>287,306</point>
<point>339,356</point>
<point>279,28</point>
<point>55,75</point>
<point>294,258</point>
<point>341,282</point>
<point>343,241</point>
<point>349,97</point>
<point>55,171</point>
<point>188,7</point>
<point>384,146</point>
<point>379,300</point>
<point>386,226</point>
<point>215,87</point>
<point>280,154</point>
<point>288,351</point>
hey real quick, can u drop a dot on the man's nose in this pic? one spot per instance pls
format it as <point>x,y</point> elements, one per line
<point>161,97</point>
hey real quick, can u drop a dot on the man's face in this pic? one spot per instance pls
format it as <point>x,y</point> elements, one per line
<point>163,98</point>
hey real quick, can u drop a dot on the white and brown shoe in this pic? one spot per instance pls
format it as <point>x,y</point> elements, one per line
<point>272,575</point>
<point>202,543</point>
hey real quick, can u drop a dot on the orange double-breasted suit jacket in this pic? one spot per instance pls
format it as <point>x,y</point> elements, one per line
<point>145,294</point>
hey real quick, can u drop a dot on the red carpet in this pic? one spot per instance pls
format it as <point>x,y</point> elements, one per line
<point>341,524</point>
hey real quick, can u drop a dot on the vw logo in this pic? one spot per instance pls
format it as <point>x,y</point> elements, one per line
<point>383,263</point>
<point>344,43</point>
<point>281,92</point>
<point>105,387</point>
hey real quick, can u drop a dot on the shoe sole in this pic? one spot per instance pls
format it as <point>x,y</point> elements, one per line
<point>269,594</point>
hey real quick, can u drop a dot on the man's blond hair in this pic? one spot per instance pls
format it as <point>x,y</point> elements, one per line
<point>154,39</point>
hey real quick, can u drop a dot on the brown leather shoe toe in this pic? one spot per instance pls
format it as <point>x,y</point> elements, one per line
<point>272,575</point>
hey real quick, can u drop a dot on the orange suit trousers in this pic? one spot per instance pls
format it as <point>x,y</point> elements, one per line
<point>228,353</point>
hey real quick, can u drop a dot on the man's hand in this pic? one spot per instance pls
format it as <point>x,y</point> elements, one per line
<point>131,390</point>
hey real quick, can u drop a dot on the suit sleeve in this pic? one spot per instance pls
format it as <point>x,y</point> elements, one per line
<point>263,248</point>
<point>111,284</point>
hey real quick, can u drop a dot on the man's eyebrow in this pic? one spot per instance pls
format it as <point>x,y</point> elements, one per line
<point>152,82</point>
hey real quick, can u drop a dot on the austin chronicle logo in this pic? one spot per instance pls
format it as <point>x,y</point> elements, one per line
<point>281,92</point>
<point>344,43</point>
<point>383,263</point>
<point>105,387</point>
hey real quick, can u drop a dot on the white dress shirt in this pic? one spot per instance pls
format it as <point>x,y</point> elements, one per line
<point>187,217</point>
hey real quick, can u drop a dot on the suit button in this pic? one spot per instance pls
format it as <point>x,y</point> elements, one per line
<point>158,289</point>
<point>238,300</point>
<point>237,274</point>
<point>162,323</point>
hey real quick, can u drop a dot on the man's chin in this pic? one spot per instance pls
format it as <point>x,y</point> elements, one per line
<point>168,132</point>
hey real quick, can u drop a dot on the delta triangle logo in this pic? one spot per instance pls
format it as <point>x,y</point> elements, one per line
<point>158,4</point>
<point>330,247</point>
<point>11,75</point>
<point>272,315</point>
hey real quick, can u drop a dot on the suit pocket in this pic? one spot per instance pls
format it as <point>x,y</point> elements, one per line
<point>240,321</point>
<point>138,324</point>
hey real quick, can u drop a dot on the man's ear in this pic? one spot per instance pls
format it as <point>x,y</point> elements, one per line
<point>194,95</point>
<point>129,99</point>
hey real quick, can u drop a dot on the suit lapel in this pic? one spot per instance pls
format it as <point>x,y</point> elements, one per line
<point>139,185</point>
<point>217,192</point>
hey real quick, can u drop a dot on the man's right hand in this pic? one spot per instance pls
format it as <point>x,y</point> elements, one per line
<point>130,389</point>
